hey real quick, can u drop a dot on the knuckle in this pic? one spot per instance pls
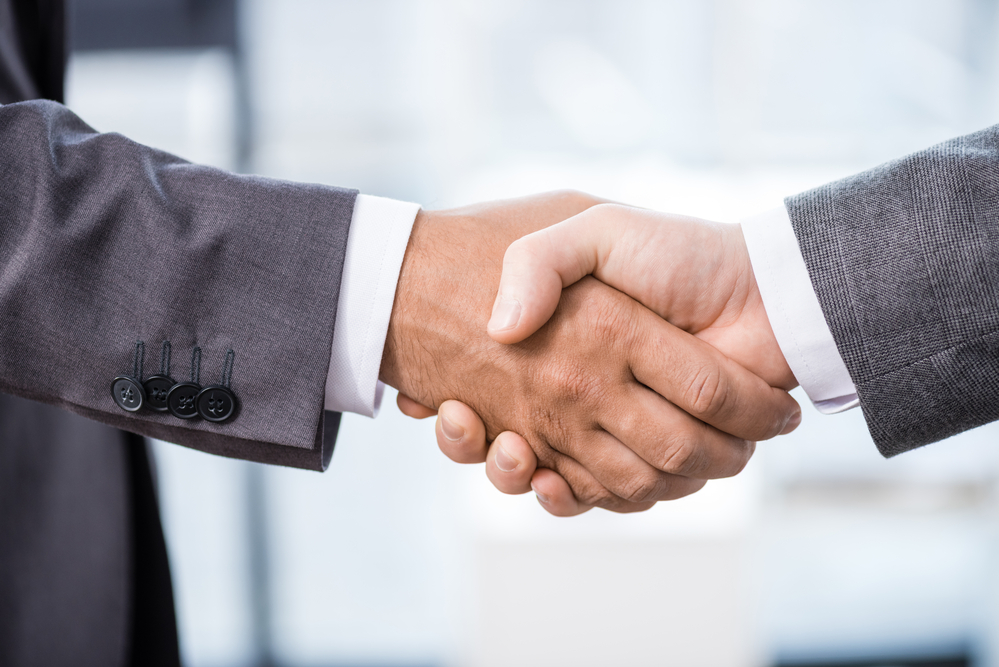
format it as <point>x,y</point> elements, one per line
<point>550,436</point>
<point>609,208</point>
<point>571,383</point>
<point>607,321</point>
<point>682,457</point>
<point>521,249</point>
<point>607,212</point>
<point>596,496</point>
<point>642,488</point>
<point>547,456</point>
<point>706,394</point>
<point>579,198</point>
<point>744,452</point>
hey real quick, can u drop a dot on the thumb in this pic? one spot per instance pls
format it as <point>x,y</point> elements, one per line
<point>538,266</point>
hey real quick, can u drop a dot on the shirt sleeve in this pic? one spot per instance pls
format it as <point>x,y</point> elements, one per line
<point>376,245</point>
<point>795,314</point>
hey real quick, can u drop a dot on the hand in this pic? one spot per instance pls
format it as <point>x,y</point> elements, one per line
<point>625,407</point>
<point>695,274</point>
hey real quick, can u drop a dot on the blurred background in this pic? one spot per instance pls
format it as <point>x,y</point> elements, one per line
<point>820,553</point>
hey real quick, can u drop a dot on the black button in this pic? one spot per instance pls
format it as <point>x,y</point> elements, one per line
<point>157,387</point>
<point>216,403</point>
<point>127,393</point>
<point>182,400</point>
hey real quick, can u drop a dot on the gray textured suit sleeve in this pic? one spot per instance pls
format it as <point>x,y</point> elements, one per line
<point>104,242</point>
<point>904,259</point>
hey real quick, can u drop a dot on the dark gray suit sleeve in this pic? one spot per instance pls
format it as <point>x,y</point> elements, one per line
<point>904,259</point>
<point>104,242</point>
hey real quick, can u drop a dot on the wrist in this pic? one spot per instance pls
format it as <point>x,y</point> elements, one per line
<point>414,287</point>
<point>765,357</point>
<point>449,275</point>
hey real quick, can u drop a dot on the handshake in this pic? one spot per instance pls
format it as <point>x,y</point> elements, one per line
<point>628,358</point>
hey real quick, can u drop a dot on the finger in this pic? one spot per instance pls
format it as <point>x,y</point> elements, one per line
<point>671,440</point>
<point>702,381</point>
<point>554,494</point>
<point>538,266</point>
<point>615,476</point>
<point>510,463</point>
<point>411,408</point>
<point>461,435</point>
<point>587,491</point>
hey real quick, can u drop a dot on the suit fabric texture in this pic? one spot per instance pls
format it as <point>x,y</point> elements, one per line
<point>104,242</point>
<point>904,259</point>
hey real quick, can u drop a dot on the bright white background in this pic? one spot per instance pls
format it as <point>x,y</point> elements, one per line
<point>821,549</point>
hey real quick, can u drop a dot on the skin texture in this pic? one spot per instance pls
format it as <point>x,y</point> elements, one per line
<point>693,273</point>
<point>624,407</point>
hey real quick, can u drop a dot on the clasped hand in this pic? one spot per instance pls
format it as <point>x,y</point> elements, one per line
<point>627,359</point>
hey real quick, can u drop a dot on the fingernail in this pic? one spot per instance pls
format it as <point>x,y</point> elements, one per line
<point>792,423</point>
<point>506,315</point>
<point>504,461</point>
<point>542,497</point>
<point>451,431</point>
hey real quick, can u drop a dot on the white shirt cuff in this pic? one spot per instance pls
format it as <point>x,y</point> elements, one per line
<point>376,245</point>
<point>795,314</point>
